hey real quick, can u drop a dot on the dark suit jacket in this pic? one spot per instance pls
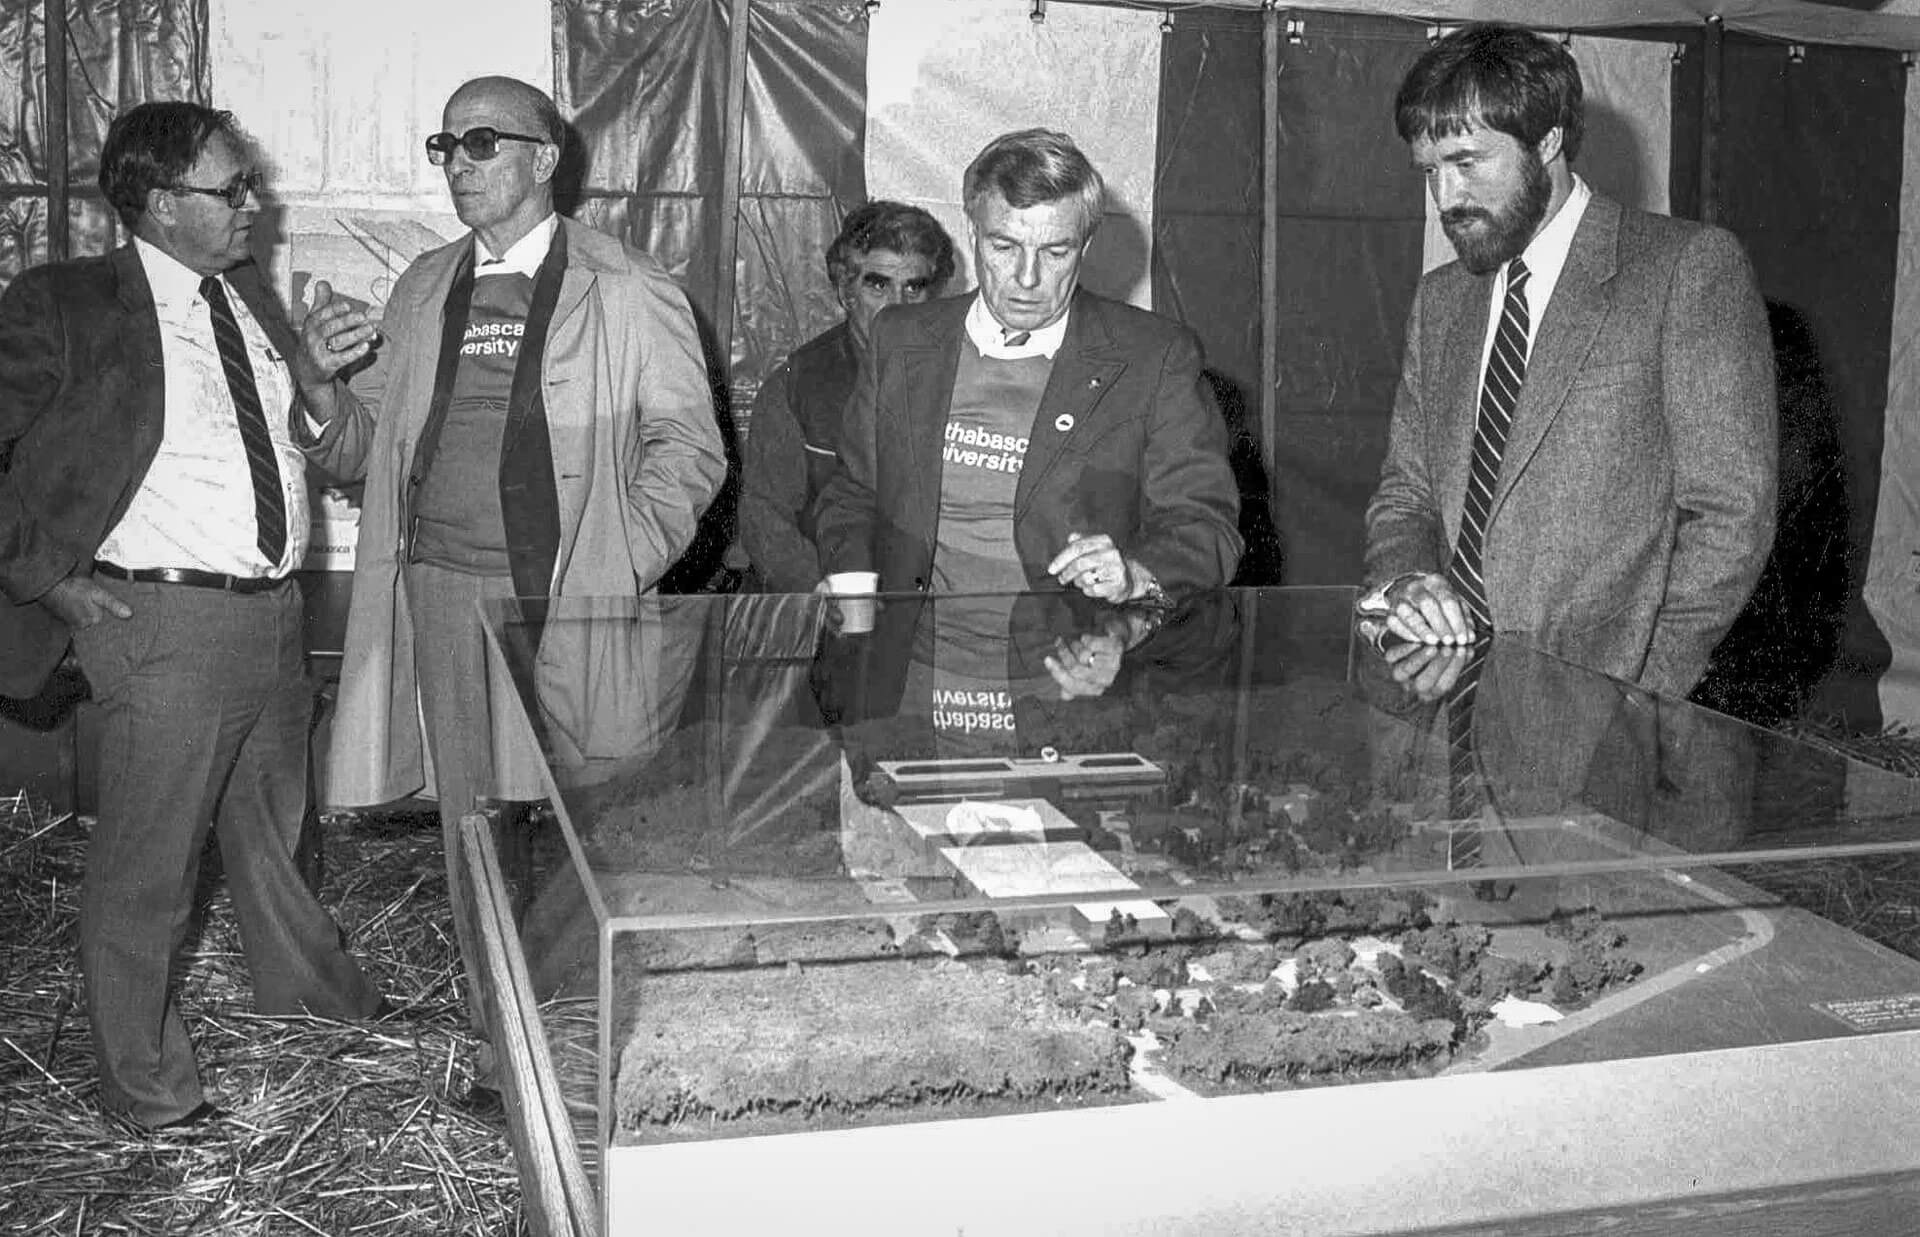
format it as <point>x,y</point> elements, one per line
<point>1636,496</point>
<point>82,404</point>
<point>1144,459</point>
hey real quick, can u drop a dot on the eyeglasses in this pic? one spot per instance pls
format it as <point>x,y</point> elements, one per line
<point>235,191</point>
<point>481,144</point>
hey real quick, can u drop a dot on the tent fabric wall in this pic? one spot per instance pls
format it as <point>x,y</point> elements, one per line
<point>1349,249</point>
<point>1821,220</point>
<point>841,100</point>
<point>120,52</point>
<point>803,170</point>
<point>1207,220</point>
<point>645,88</point>
<point>944,77</point>
<point>340,117</point>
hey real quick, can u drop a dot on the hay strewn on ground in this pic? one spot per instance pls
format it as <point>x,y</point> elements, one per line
<point>334,1128</point>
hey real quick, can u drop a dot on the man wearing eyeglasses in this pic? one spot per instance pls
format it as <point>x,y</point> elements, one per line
<point>532,419</point>
<point>152,508</point>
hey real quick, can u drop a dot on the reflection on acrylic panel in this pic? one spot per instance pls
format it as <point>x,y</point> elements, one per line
<point>360,253</point>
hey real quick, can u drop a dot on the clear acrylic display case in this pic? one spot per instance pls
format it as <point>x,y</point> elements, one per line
<point>1023,913</point>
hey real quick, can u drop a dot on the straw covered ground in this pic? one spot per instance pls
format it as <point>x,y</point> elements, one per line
<point>334,1128</point>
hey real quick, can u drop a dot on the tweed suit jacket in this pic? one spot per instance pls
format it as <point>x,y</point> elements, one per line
<point>82,410</point>
<point>1634,509</point>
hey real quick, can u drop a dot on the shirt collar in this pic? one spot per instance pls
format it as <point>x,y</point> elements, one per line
<point>175,286</point>
<point>523,257</point>
<point>985,332</point>
<point>1547,253</point>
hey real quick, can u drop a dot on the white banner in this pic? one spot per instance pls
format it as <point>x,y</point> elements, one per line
<point>945,77</point>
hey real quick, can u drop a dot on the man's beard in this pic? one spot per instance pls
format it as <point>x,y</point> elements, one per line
<point>1507,231</point>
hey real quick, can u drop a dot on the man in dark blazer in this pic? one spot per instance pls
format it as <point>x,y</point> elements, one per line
<point>1032,435</point>
<point>1582,448</point>
<point>152,510</point>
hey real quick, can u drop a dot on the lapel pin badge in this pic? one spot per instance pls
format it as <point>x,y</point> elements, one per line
<point>1063,422</point>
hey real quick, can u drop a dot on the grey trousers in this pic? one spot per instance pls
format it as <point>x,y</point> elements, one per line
<point>476,754</point>
<point>204,709</point>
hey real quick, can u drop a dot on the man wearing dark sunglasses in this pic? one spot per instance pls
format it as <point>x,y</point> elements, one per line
<point>152,512</point>
<point>532,417</point>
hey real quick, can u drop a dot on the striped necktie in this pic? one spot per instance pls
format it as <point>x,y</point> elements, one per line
<point>1499,393</point>
<point>1464,789</point>
<point>1014,339</point>
<point>269,504</point>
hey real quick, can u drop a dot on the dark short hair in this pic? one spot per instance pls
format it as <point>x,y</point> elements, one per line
<point>1493,76</point>
<point>151,146</point>
<point>906,230</point>
<point>1033,166</point>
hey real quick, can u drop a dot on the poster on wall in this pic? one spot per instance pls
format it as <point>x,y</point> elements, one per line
<point>359,253</point>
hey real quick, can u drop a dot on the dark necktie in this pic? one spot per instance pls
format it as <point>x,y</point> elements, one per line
<point>1499,392</point>
<point>1014,339</point>
<point>269,505</point>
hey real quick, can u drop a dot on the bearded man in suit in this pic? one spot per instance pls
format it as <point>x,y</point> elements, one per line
<point>1582,447</point>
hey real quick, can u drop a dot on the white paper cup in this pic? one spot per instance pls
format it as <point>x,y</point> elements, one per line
<point>853,595</point>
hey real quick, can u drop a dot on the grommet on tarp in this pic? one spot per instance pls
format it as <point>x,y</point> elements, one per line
<point>1796,53</point>
<point>1166,21</point>
<point>1907,61</point>
<point>1039,15</point>
<point>1679,52</point>
<point>1296,30</point>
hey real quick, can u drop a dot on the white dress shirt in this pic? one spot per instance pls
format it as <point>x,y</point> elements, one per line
<point>1545,256</point>
<point>990,337</point>
<point>523,257</point>
<point>194,508</point>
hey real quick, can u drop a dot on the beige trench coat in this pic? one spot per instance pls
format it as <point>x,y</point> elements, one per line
<point>637,458</point>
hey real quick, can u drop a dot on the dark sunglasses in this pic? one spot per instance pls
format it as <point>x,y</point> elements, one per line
<point>235,191</point>
<point>481,144</point>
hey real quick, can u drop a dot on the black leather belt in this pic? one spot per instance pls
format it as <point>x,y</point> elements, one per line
<point>189,576</point>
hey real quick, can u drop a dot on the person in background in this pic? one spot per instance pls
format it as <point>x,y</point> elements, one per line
<point>153,507</point>
<point>886,254</point>
<point>532,418</point>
